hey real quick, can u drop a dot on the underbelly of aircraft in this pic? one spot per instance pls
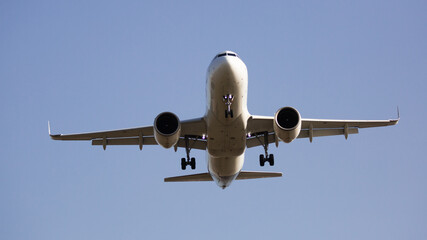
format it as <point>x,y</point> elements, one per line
<point>226,139</point>
<point>226,148</point>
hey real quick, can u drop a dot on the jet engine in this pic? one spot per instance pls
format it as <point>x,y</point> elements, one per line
<point>167,129</point>
<point>287,124</point>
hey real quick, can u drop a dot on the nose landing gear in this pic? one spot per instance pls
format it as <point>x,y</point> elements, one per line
<point>228,100</point>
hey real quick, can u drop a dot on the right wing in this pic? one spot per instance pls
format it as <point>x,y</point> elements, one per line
<point>193,129</point>
<point>259,125</point>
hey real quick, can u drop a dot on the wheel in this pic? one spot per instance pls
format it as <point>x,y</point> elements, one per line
<point>183,164</point>
<point>193,163</point>
<point>226,114</point>
<point>231,113</point>
<point>261,160</point>
<point>271,159</point>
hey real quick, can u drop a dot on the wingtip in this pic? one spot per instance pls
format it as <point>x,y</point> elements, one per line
<point>53,136</point>
<point>398,113</point>
<point>48,127</point>
<point>395,121</point>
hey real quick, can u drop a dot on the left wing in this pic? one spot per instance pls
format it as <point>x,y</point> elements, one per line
<point>259,125</point>
<point>193,130</point>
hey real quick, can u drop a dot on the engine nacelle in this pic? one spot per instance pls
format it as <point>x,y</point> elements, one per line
<point>167,129</point>
<point>287,124</point>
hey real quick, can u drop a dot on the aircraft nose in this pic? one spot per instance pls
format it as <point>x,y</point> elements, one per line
<point>225,64</point>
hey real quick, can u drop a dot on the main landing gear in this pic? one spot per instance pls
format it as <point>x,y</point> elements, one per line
<point>228,100</point>
<point>269,159</point>
<point>188,161</point>
<point>266,157</point>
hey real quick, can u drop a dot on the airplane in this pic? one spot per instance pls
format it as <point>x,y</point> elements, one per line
<point>227,129</point>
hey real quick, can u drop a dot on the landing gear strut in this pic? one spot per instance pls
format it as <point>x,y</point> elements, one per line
<point>228,100</point>
<point>188,161</point>
<point>266,157</point>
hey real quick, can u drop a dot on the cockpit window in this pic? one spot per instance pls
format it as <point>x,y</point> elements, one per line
<point>226,54</point>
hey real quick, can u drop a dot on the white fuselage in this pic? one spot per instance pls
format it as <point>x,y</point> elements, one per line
<point>226,143</point>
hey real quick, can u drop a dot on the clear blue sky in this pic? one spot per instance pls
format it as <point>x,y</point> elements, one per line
<point>98,65</point>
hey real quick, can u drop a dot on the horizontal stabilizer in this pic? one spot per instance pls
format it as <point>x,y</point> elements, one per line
<point>201,177</point>
<point>252,175</point>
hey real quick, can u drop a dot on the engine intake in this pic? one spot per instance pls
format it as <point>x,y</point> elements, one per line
<point>167,129</point>
<point>287,124</point>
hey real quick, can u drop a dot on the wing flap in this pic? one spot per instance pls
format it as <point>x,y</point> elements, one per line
<point>327,132</point>
<point>124,141</point>
<point>255,141</point>
<point>197,143</point>
<point>194,143</point>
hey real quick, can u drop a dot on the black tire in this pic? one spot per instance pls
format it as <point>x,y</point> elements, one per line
<point>261,160</point>
<point>193,163</point>
<point>231,113</point>
<point>271,159</point>
<point>183,164</point>
<point>226,114</point>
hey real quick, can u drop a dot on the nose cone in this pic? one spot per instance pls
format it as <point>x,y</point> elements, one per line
<point>226,63</point>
